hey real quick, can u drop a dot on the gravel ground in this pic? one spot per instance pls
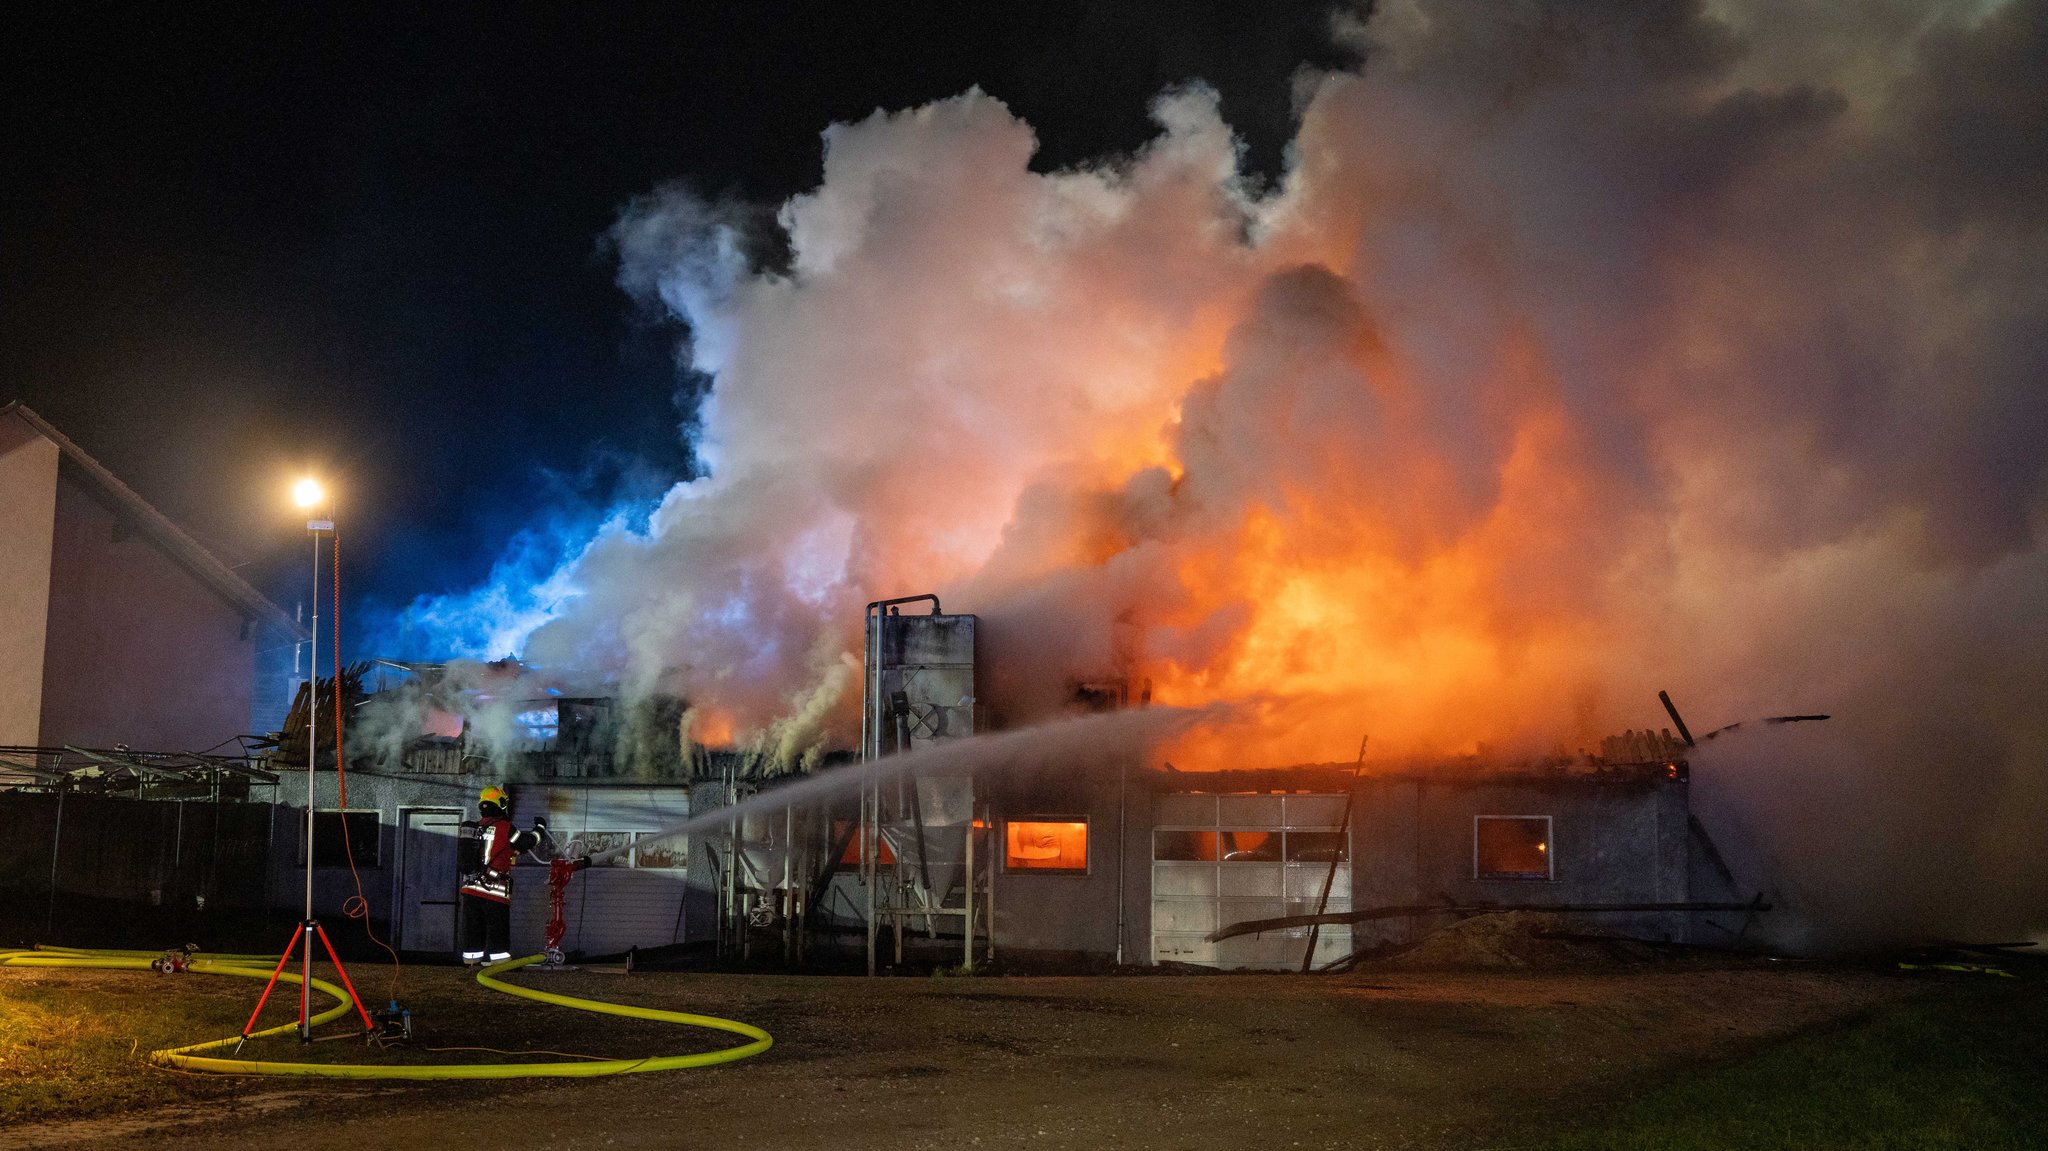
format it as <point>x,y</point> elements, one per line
<point>1375,1059</point>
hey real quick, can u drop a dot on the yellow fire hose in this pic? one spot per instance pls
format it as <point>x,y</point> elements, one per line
<point>260,966</point>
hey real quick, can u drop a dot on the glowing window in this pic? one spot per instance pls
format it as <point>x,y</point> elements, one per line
<point>1251,846</point>
<point>1046,846</point>
<point>1511,847</point>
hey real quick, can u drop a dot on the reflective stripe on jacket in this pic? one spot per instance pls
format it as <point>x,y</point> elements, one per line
<point>501,848</point>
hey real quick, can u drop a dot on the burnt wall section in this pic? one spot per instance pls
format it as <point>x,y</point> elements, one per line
<point>138,650</point>
<point>707,858</point>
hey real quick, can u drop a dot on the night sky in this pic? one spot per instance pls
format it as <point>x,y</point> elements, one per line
<point>370,243</point>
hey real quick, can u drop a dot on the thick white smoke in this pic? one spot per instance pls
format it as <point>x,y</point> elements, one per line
<point>1582,350</point>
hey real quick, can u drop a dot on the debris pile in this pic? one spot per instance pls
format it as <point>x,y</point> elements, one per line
<point>1532,939</point>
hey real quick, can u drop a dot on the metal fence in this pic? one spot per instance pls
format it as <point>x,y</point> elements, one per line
<point>61,852</point>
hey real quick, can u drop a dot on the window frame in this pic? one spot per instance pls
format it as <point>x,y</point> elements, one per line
<point>680,848</point>
<point>320,841</point>
<point>1086,869</point>
<point>1549,852</point>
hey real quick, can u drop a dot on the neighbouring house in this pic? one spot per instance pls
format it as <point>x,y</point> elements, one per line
<point>129,661</point>
<point>117,629</point>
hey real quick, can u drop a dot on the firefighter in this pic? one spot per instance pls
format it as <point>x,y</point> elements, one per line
<point>490,847</point>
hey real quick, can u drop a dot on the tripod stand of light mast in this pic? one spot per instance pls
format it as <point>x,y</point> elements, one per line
<point>308,494</point>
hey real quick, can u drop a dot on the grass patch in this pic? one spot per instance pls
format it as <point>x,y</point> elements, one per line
<point>73,1046</point>
<point>75,1043</point>
<point>1964,1067</point>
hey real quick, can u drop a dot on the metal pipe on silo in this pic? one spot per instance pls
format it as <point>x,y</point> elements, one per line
<point>871,750</point>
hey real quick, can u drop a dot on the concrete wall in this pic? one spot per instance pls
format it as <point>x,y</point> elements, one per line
<point>1386,855</point>
<point>1712,881</point>
<point>1035,912</point>
<point>138,651</point>
<point>1076,913</point>
<point>1411,841</point>
<point>28,501</point>
<point>1611,842</point>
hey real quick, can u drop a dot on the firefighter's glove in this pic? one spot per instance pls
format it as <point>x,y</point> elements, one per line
<point>540,826</point>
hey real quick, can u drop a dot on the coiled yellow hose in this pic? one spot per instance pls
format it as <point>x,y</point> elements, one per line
<point>259,967</point>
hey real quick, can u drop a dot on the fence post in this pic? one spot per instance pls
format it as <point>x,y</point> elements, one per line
<point>56,844</point>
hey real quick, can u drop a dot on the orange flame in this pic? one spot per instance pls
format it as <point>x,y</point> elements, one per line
<point>1337,615</point>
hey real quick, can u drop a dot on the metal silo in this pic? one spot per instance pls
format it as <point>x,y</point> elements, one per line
<point>918,690</point>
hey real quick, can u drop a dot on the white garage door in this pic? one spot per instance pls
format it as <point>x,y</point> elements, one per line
<point>1222,859</point>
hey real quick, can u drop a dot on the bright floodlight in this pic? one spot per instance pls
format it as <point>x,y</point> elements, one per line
<point>307,493</point>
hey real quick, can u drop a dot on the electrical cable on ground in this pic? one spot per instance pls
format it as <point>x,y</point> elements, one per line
<point>257,967</point>
<point>358,906</point>
<point>502,1051</point>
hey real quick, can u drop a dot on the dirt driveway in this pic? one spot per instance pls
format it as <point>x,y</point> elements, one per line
<point>1386,1059</point>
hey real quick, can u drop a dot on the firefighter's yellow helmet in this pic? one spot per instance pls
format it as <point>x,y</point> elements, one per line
<point>494,796</point>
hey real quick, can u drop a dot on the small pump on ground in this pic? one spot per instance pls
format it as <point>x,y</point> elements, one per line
<point>391,1025</point>
<point>175,960</point>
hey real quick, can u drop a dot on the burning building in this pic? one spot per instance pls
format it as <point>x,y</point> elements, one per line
<point>950,840</point>
<point>1054,849</point>
<point>1576,351</point>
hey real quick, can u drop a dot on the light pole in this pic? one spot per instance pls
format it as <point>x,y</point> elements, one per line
<point>309,494</point>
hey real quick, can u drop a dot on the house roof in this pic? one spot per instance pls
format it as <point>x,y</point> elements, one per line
<point>119,768</point>
<point>1453,772</point>
<point>183,549</point>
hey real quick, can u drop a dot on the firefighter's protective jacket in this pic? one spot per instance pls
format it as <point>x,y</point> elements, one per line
<point>499,845</point>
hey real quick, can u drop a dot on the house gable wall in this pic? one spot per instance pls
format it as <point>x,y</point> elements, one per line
<point>28,500</point>
<point>139,650</point>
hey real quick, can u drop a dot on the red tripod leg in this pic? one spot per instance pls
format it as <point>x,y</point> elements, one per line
<point>281,961</point>
<point>345,981</point>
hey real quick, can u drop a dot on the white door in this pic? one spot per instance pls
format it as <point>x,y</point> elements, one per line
<point>426,870</point>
